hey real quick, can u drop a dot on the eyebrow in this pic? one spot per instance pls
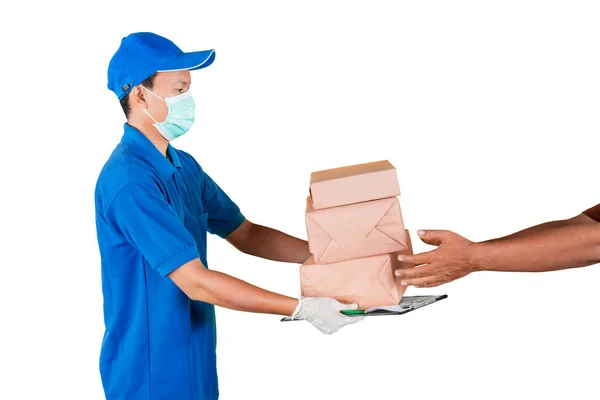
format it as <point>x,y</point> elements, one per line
<point>182,81</point>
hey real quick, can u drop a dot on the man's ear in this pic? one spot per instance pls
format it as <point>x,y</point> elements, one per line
<point>136,97</point>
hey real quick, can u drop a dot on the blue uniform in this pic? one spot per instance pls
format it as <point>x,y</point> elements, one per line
<point>152,216</point>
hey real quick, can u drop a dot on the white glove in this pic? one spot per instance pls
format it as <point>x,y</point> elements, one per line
<point>324,313</point>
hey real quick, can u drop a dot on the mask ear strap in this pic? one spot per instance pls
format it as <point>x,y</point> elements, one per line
<point>147,113</point>
<point>154,94</point>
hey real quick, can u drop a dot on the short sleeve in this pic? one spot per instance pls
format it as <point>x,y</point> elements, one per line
<point>224,216</point>
<point>140,212</point>
<point>593,213</point>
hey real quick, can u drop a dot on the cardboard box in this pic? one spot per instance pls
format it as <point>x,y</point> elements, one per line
<point>353,184</point>
<point>355,231</point>
<point>369,282</point>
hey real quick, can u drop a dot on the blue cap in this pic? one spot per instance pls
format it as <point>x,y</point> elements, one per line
<point>143,54</point>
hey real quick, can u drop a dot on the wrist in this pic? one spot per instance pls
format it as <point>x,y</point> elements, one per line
<point>479,256</point>
<point>292,307</point>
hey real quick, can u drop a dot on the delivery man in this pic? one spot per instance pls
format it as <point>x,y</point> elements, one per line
<point>154,207</point>
<point>555,245</point>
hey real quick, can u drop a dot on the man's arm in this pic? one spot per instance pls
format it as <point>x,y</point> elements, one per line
<point>264,242</point>
<point>564,247</point>
<point>579,219</point>
<point>202,284</point>
<point>547,247</point>
<point>199,283</point>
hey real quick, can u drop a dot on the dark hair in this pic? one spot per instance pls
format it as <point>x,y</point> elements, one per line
<point>148,82</point>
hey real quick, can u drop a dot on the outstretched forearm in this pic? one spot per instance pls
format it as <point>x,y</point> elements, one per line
<point>214,287</point>
<point>534,229</point>
<point>577,220</point>
<point>548,249</point>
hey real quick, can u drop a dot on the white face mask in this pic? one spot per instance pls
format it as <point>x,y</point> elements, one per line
<point>180,117</point>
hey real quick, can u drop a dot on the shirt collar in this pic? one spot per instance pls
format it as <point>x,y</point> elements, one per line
<point>150,153</point>
<point>173,156</point>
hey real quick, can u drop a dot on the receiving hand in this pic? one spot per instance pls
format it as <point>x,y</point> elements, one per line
<point>453,259</point>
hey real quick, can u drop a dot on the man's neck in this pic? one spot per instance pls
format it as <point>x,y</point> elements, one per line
<point>152,134</point>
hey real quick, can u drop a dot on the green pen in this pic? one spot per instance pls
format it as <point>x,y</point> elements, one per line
<point>352,312</point>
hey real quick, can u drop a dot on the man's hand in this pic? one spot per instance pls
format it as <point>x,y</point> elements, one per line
<point>324,313</point>
<point>453,259</point>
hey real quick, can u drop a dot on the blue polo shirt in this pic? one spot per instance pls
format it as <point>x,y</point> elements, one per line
<point>152,216</point>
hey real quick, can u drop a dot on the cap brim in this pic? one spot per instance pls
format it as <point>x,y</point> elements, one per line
<point>189,61</point>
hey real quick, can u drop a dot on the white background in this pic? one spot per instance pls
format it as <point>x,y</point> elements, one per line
<point>489,110</point>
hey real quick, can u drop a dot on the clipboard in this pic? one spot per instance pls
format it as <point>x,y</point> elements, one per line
<point>407,304</point>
